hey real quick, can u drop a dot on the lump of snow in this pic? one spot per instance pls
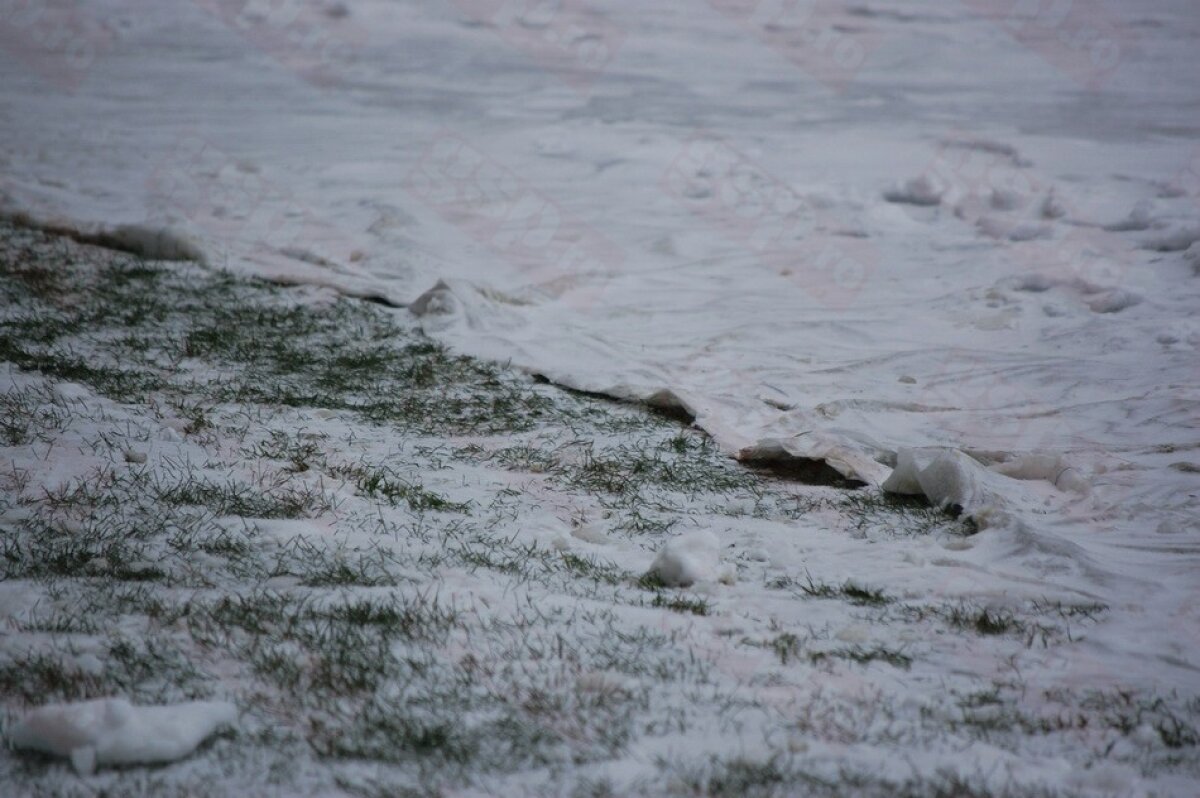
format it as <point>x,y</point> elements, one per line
<point>1004,199</point>
<point>1175,241</point>
<point>949,481</point>
<point>152,243</point>
<point>1140,218</point>
<point>111,731</point>
<point>917,191</point>
<point>1192,255</point>
<point>452,304</point>
<point>1034,282</point>
<point>854,457</point>
<point>686,560</point>
<point>953,478</point>
<point>949,478</point>
<point>1049,467</point>
<point>1113,301</point>
<point>1052,207</point>
<point>437,301</point>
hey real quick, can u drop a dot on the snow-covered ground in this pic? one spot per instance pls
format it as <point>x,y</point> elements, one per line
<point>829,230</point>
<point>409,570</point>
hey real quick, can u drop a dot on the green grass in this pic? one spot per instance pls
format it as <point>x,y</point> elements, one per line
<point>1040,623</point>
<point>784,774</point>
<point>382,482</point>
<point>863,656</point>
<point>999,711</point>
<point>847,591</point>
<point>684,604</point>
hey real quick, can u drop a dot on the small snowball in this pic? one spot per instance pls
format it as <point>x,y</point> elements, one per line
<point>687,560</point>
<point>1034,282</point>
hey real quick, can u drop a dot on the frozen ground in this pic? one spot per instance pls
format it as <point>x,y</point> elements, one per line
<point>827,230</point>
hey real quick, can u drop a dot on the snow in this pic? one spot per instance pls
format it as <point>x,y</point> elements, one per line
<point>689,559</point>
<point>112,731</point>
<point>1175,241</point>
<point>964,265</point>
<point>915,191</point>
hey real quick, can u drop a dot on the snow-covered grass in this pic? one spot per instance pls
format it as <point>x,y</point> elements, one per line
<point>415,572</point>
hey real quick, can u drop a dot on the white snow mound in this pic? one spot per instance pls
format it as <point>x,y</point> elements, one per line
<point>690,559</point>
<point>975,483</point>
<point>917,191</point>
<point>150,242</point>
<point>111,731</point>
<point>947,477</point>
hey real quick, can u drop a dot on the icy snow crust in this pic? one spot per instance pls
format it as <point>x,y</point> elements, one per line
<point>1006,322</point>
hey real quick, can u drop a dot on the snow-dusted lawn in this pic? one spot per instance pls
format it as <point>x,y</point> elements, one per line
<point>414,572</point>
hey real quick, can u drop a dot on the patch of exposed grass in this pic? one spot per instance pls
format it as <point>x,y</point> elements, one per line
<point>684,604</point>
<point>1040,623</point>
<point>786,647</point>
<point>300,453</point>
<point>31,413</point>
<point>898,515</point>
<point>847,591</point>
<point>1003,710</point>
<point>784,774</point>
<point>984,621</point>
<point>347,356</point>
<point>591,567</point>
<point>383,482</point>
<point>150,668</point>
<point>647,480</point>
<point>863,656</point>
<point>238,499</point>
